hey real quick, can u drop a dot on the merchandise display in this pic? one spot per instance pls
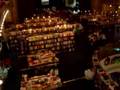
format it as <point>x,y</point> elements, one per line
<point>41,58</point>
<point>39,39</point>
<point>46,79</point>
<point>106,79</point>
<point>51,81</point>
<point>50,33</point>
<point>104,69</point>
<point>50,45</point>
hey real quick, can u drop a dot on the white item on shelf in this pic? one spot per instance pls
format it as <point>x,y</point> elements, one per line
<point>89,74</point>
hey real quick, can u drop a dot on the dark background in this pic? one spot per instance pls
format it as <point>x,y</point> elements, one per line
<point>26,8</point>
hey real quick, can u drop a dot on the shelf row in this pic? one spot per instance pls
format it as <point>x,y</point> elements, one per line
<point>42,58</point>
<point>58,29</point>
<point>38,42</point>
<point>42,72</point>
<point>49,81</point>
<point>41,22</point>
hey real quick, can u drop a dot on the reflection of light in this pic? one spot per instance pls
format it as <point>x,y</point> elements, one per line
<point>50,21</point>
<point>1,82</point>
<point>90,13</point>
<point>4,17</point>
<point>119,7</point>
<point>26,18</point>
<point>70,3</point>
<point>45,2</point>
<point>116,12</point>
<point>0,34</point>
<point>110,5</point>
<point>48,16</point>
<point>117,49</point>
<point>89,74</point>
<point>78,10</point>
<point>85,11</point>
<point>74,12</point>
<point>38,17</point>
<point>94,19</point>
<point>30,30</point>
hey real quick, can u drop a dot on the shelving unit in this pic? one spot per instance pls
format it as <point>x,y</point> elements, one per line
<point>42,72</point>
<point>50,33</point>
<point>40,39</point>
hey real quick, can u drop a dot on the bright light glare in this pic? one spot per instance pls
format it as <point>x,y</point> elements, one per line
<point>0,34</point>
<point>1,82</point>
<point>119,7</point>
<point>45,2</point>
<point>110,5</point>
<point>78,10</point>
<point>4,17</point>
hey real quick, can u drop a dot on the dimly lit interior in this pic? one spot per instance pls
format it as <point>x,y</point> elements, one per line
<point>59,45</point>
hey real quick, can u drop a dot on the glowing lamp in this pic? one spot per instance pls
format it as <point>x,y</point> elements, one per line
<point>1,82</point>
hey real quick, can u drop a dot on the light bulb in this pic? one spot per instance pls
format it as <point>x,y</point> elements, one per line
<point>110,5</point>
<point>1,82</point>
<point>119,7</point>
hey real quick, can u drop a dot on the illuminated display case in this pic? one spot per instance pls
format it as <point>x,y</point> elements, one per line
<point>50,33</point>
<point>40,39</point>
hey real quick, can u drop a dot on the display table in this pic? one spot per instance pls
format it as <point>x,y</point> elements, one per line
<point>42,72</point>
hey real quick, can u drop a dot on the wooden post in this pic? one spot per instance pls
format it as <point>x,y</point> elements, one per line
<point>14,10</point>
<point>96,5</point>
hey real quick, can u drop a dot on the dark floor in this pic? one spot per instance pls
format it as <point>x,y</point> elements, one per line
<point>79,85</point>
<point>72,65</point>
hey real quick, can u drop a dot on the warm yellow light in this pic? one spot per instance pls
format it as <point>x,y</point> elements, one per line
<point>85,11</point>
<point>50,21</point>
<point>1,82</point>
<point>0,34</point>
<point>119,7</point>
<point>116,12</point>
<point>38,17</point>
<point>43,16</point>
<point>110,5</point>
<point>49,17</point>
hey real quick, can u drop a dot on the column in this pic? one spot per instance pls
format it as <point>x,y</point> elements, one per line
<point>96,5</point>
<point>14,11</point>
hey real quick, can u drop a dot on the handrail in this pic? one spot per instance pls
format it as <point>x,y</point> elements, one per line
<point>2,20</point>
<point>4,12</point>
